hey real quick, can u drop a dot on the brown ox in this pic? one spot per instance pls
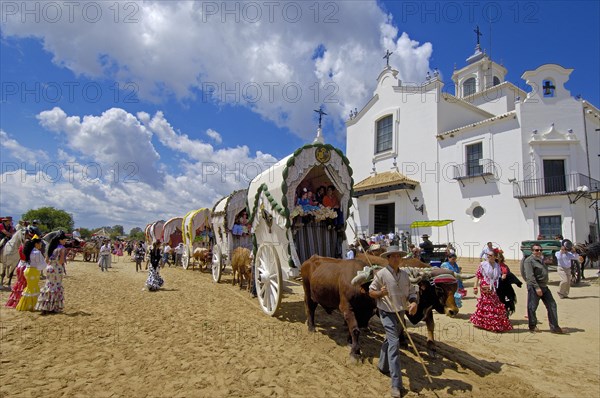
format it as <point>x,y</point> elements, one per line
<point>203,256</point>
<point>240,264</point>
<point>328,282</point>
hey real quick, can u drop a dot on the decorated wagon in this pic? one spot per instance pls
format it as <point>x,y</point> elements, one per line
<point>196,230</point>
<point>231,228</point>
<point>287,231</point>
<point>172,232</point>
<point>154,232</point>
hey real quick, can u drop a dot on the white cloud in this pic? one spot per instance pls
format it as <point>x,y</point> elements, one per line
<point>107,172</point>
<point>11,149</point>
<point>214,135</point>
<point>269,61</point>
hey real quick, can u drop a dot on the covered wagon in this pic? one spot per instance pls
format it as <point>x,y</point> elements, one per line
<point>289,227</point>
<point>172,232</point>
<point>231,229</point>
<point>196,230</point>
<point>154,232</point>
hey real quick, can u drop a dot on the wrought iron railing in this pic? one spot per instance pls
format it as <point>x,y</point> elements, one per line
<point>477,168</point>
<point>560,185</point>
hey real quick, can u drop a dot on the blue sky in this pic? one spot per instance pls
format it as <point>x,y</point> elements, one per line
<point>124,113</point>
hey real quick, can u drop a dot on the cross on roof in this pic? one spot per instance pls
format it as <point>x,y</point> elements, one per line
<point>387,57</point>
<point>478,33</point>
<point>321,113</point>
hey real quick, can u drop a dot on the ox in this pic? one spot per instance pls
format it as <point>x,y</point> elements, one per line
<point>436,292</point>
<point>328,282</point>
<point>203,256</point>
<point>334,283</point>
<point>241,265</point>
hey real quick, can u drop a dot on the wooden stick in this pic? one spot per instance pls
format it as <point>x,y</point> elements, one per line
<point>391,305</point>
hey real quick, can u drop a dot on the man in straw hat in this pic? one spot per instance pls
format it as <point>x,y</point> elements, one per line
<point>392,289</point>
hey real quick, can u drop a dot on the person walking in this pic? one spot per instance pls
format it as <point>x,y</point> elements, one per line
<point>166,254</point>
<point>21,283</point>
<point>564,257</point>
<point>104,256</point>
<point>392,289</point>
<point>35,263</point>
<point>535,273</point>
<point>139,255</point>
<point>52,294</point>
<point>490,313</point>
<point>154,281</point>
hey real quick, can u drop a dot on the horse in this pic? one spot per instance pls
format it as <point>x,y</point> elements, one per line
<point>10,255</point>
<point>588,251</point>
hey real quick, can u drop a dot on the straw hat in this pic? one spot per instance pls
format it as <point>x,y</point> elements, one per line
<point>393,250</point>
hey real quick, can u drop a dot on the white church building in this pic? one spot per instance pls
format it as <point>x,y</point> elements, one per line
<point>506,165</point>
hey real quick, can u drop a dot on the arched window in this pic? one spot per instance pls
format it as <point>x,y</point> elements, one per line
<point>496,81</point>
<point>384,134</point>
<point>469,86</point>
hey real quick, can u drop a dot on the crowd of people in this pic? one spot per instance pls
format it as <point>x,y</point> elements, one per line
<point>26,294</point>
<point>391,287</point>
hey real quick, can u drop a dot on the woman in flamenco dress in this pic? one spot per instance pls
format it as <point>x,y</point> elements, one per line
<point>490,313</point>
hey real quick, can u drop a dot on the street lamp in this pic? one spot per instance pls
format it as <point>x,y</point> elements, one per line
<point>417,207</point>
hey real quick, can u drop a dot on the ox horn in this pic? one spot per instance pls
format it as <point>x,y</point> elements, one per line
<point>416,279</point>
<point>462,277</point>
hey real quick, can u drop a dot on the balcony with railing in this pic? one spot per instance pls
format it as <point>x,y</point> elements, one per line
<point>552,186</point>
<point>477,168</point>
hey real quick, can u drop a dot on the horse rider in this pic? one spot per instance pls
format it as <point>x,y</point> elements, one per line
<point>36,228</point>
<point>6,231</point>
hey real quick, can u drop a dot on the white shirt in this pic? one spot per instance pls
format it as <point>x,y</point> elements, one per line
<point>350,255</point>
<point>486,250</point>
<point>179,250</point>
<point>167,249</point>
<point>564,259</point>
<point>105,250</point>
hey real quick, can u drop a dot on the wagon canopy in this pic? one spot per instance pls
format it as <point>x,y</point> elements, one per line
<point>280,182</point>
<point>193,221</point>
<point>154,231</point>
<point>172,230</point>
<point>224,212</point>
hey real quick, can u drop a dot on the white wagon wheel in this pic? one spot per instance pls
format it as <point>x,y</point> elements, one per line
<point>217,263</point>
<point>185,257</point>
<point>267,275</point>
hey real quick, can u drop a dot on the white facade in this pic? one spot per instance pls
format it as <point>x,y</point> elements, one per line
<point>529,153</point>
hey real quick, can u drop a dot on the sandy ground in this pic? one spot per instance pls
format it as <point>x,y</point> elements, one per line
<point>196,338</point>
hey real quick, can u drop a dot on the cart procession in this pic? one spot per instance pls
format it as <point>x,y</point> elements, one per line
<point>266,218</point>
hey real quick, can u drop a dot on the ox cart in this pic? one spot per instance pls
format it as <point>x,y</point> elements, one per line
<point>173,234</point>
<point>231,228</point>
<point>196,233</point>
<point>154,232</point>
<point>284,235</point>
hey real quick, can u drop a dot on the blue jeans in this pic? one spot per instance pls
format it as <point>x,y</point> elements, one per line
<point>389,356</point>
<point>533,300</point>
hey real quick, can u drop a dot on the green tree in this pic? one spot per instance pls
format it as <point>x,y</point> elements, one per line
<point>136,234</point>
<point>85,233</point>
<point>118,230</point>
<point>50,219</point>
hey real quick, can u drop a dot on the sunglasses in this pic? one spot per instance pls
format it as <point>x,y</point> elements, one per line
<point>537,250</point>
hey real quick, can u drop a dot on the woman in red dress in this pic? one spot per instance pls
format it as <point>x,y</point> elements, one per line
<point>17,289</point>
<point>490,313</point>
